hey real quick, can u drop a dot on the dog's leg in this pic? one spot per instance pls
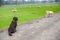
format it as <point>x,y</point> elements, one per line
<point>10,34</point>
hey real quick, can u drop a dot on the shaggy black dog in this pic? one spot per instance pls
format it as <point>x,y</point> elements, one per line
<point>12,28</point>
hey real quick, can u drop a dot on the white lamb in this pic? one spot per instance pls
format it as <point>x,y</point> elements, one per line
<point>14,10</point>
<point>49,13</point>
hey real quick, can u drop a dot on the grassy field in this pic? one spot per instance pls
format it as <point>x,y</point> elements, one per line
<point>24,12</point>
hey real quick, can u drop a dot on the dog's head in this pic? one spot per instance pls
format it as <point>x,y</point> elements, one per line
<point>15,18</point>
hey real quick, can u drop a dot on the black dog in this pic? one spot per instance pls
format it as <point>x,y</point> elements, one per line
<point>12,28</point>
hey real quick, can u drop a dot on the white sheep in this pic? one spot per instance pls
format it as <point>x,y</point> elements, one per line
<point>14,10</point>
<point>49,13</point>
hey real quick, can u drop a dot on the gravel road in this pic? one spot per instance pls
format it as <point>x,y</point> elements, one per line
<point>47,28</point>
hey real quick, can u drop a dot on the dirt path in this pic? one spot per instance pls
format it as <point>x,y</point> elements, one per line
<point>39,29</point>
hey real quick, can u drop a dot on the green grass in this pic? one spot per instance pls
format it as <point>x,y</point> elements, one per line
<point>24,12</point>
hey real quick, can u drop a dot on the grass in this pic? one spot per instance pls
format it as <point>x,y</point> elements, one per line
<point>24,12</point>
